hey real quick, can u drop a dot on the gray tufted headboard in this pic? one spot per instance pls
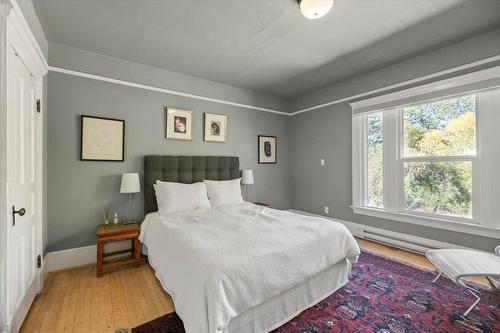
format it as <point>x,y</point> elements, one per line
<point>185,169</point>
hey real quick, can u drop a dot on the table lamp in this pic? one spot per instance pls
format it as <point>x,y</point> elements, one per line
<point>246,179</point>
<point>130,184</point>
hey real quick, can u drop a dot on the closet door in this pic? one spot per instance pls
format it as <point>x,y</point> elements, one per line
<point>21,189</point>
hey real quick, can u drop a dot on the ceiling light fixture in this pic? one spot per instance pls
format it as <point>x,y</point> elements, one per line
<point>314,9</point>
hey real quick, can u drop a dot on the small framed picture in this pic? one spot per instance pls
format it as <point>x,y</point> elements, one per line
<point>267,149</point>
<point>102,139</point>
<point>215,127</point>
<point>179,124</point>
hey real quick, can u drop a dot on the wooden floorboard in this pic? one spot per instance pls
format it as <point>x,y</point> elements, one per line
<point>75,300</point>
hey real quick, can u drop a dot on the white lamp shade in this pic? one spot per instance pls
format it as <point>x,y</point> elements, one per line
<point>130,183</point>
<point>314,9</point>
<point>247,177</point>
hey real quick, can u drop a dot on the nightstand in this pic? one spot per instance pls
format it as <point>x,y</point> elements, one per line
<point>107,233</point>
<point>264,204</point>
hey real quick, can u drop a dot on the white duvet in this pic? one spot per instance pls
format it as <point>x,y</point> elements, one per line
<point>217,263</point>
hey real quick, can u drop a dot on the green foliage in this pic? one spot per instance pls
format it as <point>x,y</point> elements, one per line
<point>375,161</point>
<point>439,188</point>
<point>443,128</point>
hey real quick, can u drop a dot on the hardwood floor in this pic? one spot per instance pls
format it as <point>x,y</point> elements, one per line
<point>76,301</point>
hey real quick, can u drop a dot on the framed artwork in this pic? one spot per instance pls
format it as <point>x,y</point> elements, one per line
<point>215,127</point>
<point>102,139</point>
<point>267,146</point>
<point>179,124</point>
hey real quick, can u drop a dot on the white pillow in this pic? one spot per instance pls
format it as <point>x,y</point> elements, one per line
<point>224,192</point>
<point>174,197</point>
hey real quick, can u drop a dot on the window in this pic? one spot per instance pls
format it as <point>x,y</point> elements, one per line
<point>426,159</point>
<point>439,145</point>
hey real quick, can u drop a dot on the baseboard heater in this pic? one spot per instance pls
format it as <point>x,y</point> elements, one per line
<point>413,245</point>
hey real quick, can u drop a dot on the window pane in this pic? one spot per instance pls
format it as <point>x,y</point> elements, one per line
<point>375,161</point>
<point>439,188</point>
<point>441,128</point>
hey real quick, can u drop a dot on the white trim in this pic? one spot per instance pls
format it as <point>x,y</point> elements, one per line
<point>401,84</point>
<point>346,99</point>
<point>463,227</point>
<point>78,256</point>
<point>39,181</point>
<point>85,255</point>
<point>162,90</point>
<point>5,8</point>
<point>484,221</point>
<point>442,85</point>
<point>393,238</point>
<point>28,46</point>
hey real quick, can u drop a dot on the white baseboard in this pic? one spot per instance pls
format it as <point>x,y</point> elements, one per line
<point>396,239</point>
<point>78,256</point>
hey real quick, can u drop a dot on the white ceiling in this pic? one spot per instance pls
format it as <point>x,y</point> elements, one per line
<point>264,45</point>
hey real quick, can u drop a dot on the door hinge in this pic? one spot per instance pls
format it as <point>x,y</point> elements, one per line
<point>39,261</point>
<point>38,107</point>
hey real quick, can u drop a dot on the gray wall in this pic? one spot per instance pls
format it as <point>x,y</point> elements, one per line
<point>323,133</point>
<point>78,191</point>
<point>326,133</point>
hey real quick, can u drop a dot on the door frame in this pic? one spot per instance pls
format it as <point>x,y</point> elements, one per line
<point>5,8</point>
<point>18,37</point>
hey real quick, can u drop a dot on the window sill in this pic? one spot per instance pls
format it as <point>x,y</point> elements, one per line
<point>464,227</point>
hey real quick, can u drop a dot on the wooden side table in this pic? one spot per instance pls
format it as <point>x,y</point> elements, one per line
<point>264,204</point>
<point>117,232</point>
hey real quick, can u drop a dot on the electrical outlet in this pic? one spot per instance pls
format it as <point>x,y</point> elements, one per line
<point>326,209</point>
<point>322,162</point>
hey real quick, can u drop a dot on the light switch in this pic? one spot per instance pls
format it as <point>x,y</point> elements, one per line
<point>322,162</point>
<point>326,209</point>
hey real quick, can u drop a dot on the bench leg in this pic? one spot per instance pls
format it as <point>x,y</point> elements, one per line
<point>494,284</point>
<point>437,277</point>
<point>477,295</point>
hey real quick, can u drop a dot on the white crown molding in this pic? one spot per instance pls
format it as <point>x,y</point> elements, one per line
<point>25,43</point>
<point>5,7</point>
<point>455,82</point>
<point>401,84</point>
<point>162,90</point>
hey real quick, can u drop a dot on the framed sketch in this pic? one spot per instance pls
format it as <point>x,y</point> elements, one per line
<point>179,124</point>
<point>267,146</point>
<point>215,127</point>
<point>102,139</point>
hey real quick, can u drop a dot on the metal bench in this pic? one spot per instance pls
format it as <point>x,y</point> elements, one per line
<point>460,263</point>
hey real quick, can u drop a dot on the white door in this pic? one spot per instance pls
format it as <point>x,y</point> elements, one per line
<point>21,190</point>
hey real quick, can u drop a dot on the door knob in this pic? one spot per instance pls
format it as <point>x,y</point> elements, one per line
<point>21,212</point>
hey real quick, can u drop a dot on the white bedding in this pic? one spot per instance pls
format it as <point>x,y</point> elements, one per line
<point>217,263</point>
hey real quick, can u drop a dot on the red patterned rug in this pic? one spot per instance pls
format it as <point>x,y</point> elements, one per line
<point>383,296</point>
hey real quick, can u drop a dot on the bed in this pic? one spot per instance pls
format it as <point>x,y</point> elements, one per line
<point>240,268</point>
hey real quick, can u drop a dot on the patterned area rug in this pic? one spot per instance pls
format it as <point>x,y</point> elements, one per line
<point>383,296</point>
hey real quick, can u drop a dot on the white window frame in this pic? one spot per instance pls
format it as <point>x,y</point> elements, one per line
<point>390,106</point>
